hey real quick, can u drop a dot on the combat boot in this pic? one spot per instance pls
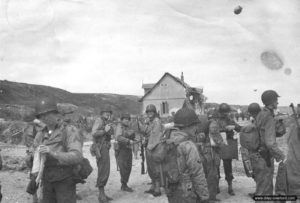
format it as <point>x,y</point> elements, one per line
<point>156,192</point>
<point>102,198</point>
<point>230,189</point>
<point>125,188</point>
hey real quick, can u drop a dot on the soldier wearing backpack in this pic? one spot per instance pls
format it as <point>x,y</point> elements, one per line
<point>61,144</point>
<point>228,126</point>
<point>152,130</point>
<point>183,174</point>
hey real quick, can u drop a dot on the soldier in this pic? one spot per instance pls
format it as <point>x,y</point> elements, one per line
<point>125,138</point>
<point>226,125</point>
<point>29,135</point>
<point>61,145</point>
<point>152,130</point>
<point>293,159</point>
<point>209,144</point>
<point>102,132</point>
<point>268,148</point>
<point>191,186</point>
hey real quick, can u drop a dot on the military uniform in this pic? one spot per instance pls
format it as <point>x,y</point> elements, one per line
<point>101,150</point>
<point>227,163</point>
<point>66,147</point>
<point>124,152</point>
<point>208,145</point>
<point>192,185</point>
<point>293,162</point>
<point>153,133</point>
<point>263,164</point>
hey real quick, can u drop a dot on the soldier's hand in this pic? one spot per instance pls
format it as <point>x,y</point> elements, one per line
<point>43,149</point>
<point>230,127</point>
<point>107,128</point>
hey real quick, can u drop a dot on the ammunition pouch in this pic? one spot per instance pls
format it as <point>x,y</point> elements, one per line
<point>32,186</point>
<point>186,187</point>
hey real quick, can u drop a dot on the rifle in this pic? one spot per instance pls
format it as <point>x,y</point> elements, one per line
<point>295,117</point>
<point>142,149</point>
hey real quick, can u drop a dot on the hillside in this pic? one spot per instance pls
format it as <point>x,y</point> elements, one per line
<point>15,93</point>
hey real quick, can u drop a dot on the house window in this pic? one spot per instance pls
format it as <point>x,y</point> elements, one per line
<point>164,107</point>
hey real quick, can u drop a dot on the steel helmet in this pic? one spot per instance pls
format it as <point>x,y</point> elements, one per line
<point>150,108</point>
<point>45,105</point>
<point>268,97</point>
<point>254,108</point>
<point>106,109</point>
<point>125,115</point>
<point>224,108</point>
<point>185,117</point>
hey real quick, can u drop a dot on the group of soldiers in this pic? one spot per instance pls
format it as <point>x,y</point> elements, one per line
<point>191,151</point>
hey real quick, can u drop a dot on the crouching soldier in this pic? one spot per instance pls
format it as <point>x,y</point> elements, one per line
<point>102,132</point>
<point>61,145</point>
<point>185,177</point>
<point>125,138</point>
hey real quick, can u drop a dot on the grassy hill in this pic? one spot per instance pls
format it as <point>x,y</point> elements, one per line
<point>15,93</point>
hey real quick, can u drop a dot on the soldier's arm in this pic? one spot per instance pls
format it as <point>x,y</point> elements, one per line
<point>73,154</point>
<point>98,128</point>
<point>195,169</point>
<point>120,137</point>
<point>270,139</point>
<point>214,133</point>
<point>237,127</point>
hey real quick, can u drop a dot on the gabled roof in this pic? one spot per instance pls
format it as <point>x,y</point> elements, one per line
<point>185,85</point>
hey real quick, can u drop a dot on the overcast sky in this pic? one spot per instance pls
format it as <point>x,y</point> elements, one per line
<point>113,46</point>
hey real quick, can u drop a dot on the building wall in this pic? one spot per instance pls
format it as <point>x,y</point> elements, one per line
<point>168,90</point>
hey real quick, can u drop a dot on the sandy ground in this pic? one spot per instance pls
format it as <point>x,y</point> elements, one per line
<point>14,183</point>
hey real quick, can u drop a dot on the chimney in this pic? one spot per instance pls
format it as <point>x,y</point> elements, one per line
<point>182,77</point>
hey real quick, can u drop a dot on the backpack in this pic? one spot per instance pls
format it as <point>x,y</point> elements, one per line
<point>249,137</point>
<point>83,169</point>
<point>165,154</point>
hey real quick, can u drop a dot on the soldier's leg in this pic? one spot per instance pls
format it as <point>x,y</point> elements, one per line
<point>150,172</point>
<point>227,163</point>
<point>263,177</point>
<point>212,180</point>
<point>125,163</point>
<point>65,191</point>
<point>48,192</point>
<point>103,164</point>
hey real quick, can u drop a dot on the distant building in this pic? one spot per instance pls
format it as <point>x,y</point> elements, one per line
<point>168,94</point>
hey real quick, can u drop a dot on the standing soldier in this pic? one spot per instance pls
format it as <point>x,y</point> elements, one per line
<point>228,126</point>
<point>102,132</point>
<point>153,132</point>
<point>125,138</point>
<point>209,140</point>
<point>63,149</point>
<point>268,149</point>
<point>191,186</point>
